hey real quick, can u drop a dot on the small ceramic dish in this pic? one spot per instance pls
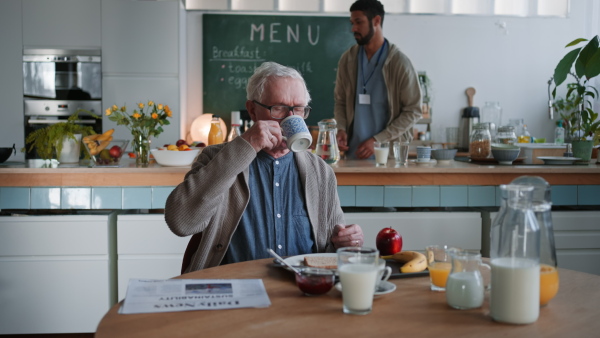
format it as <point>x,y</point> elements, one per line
<point>557,160</point>
<point>383,288</point>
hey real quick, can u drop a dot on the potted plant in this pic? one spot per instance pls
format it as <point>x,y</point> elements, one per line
<point>582,64</point>
<point>49,141</point>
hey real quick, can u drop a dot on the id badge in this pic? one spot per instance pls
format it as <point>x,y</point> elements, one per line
<point>364,99</point>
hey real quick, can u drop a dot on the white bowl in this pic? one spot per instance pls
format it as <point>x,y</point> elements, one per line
<point>171,158</point>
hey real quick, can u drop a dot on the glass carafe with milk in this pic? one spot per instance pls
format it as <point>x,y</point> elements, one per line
<point>542,209</point>
<point>515,259</point>
<point>465,286</point>
<point>327,147</point>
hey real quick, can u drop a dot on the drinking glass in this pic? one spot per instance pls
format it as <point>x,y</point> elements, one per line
<point>382,150</point>
<point>358,268</point>
<point>439,264</point>
<point>401,152</point>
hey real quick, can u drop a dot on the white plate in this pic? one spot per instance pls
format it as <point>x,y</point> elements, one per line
<point>299,260</point>
<point>558,160</point>
<point>383,288</point>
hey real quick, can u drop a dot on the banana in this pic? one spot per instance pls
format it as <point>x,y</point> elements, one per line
<point>106,135</point>
<point>413,261</point>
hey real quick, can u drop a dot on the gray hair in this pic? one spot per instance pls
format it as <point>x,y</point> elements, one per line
<point>263,74</point>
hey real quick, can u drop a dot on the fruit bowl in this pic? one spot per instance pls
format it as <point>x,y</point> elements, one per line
<point>171,158</point>
<point>108,156</point>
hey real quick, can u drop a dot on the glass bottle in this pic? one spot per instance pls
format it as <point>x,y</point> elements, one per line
<point>515,260</point>
<point>525,137</point>
<point>542,208</point>
<point>235,126</point>
<point>559,134</point>
<point>492,112</point>
<point>506,135</point>
<point>327,147</point>
<point>215,134</point>
<point>481,142</point>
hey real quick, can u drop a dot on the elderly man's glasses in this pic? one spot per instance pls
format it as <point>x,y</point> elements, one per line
<point>279,112</point>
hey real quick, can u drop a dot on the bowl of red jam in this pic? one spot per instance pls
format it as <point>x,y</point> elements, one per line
<point>314,281</point>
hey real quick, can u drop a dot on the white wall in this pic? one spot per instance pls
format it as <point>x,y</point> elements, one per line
<point>511,65</point>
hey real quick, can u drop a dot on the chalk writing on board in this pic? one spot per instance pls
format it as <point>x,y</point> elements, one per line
<point>236,54</point>
<point>293,35</point>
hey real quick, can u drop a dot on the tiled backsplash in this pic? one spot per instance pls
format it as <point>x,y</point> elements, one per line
<point>350,196</point>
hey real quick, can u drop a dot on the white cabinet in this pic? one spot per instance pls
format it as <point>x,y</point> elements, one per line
<point>11,77</point>
<point>62,23</point>
<point>140,37</point>
<point>54,273</point>
<point>460,229</point>
<point>140,59</point>
<point>577,240</point>
<point>146,248</point>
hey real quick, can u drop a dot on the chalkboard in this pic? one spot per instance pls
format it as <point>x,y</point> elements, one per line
<point>235,45</point>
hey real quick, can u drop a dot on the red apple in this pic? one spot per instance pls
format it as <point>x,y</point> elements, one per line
<point>201,144</point>
<point>388,242</point>
<point>180,142</point>
<point>115,152</point>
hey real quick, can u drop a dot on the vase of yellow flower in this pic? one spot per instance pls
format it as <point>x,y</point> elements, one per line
<point>144,122</point>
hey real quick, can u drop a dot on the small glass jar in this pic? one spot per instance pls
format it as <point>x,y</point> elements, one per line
<point>481,142</point>
<point>327,147</point>
<point>506,135</point>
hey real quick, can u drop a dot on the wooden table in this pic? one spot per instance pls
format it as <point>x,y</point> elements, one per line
<point>410,311</point>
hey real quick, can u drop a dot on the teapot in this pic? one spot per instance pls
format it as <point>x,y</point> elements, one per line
<point>465,285</point>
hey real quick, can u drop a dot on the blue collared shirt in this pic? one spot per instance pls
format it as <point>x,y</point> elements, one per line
<point>369,119</point>
<point>276,215</point>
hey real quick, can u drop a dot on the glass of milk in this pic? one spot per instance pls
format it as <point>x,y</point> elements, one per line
<point>358,268</point>
<point>382,151</point>
<point>464,287</point>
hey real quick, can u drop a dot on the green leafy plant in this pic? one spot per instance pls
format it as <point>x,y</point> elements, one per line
<point>48,141</point>
<point>582,64</point>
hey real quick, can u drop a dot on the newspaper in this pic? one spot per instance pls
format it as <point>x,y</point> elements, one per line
<point>172,295</point>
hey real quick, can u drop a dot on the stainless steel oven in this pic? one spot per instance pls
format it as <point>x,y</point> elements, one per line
<point>57,83</point>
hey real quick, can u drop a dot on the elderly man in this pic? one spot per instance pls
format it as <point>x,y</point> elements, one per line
<point>252,193</point>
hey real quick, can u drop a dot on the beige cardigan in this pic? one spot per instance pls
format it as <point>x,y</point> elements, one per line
<point>403,91</point>
<point>215,193</point>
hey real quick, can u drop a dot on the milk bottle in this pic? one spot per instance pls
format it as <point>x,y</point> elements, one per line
<point>515,259</point>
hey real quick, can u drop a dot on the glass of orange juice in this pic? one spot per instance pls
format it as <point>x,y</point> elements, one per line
<point>439,265</point>
<point>548,283</point>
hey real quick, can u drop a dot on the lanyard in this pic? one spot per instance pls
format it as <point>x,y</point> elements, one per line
<point>362,71</point>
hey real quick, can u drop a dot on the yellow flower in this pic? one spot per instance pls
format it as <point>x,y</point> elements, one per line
<point>168,111</point>
<point>150,103</point>
<point>154,116</point>
<point>160,106</point>
<point>114,107</point>
<point>123,109</point>
<point>108,111</point>
<point>141,105</point>
<point>137,115</point>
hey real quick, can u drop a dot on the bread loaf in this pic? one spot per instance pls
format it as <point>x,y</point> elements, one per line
<point>324,262</point>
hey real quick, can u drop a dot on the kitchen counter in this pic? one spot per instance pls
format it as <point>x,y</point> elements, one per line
<point>360,184</point>
<point>348,172</point>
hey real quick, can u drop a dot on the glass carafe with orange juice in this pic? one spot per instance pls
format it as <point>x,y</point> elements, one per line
<point>542,208</point>
<point>215,134</point>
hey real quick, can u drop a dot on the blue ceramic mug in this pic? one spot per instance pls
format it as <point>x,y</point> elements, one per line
<point>295,133</point>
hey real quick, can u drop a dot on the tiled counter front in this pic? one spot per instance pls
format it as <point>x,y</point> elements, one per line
<point>455,196</point>
<point>350,196</point>
<point>84,197</point>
